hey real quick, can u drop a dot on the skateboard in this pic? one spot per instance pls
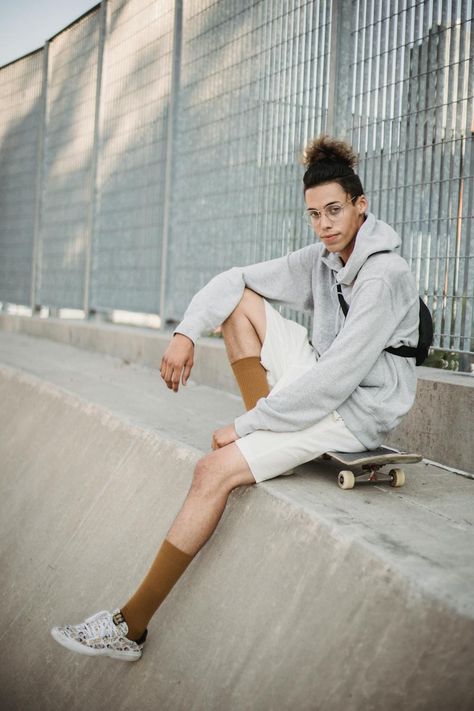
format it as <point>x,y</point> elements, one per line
<point>371,461</point>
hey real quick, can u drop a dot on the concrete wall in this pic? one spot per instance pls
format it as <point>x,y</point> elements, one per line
<point>303,599</point>
<point>441,423</point>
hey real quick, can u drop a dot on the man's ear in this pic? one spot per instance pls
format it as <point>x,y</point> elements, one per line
<point>362,204</point>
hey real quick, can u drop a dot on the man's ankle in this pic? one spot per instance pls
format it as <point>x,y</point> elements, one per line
<point>134,634</point>
<point>139,640</point>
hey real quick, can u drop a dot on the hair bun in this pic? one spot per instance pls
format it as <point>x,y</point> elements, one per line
<point>327,149</point>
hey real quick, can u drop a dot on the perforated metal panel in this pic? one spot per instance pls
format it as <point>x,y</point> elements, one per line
<point>20,121</point>
<point>219,183</point>
<point>254,83</point>
<point>132,155</point>
<point>412,72</point>
<point>68,146</point>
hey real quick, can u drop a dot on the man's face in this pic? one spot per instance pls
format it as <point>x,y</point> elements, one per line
<point>338,230</point>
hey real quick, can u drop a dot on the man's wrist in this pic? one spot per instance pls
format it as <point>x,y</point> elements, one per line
<point>183,335</point>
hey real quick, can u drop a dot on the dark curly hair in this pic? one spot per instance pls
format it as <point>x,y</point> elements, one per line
<point>328,160</point>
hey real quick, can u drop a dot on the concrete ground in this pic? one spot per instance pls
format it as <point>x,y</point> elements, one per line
<point>306,597</point>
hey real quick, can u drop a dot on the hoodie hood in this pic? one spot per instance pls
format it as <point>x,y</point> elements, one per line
<point>373,236</point>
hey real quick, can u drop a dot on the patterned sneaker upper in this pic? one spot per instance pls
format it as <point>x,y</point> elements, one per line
<point>104,631</point>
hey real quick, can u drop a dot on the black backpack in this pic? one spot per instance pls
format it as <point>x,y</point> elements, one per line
<point>425,332</point>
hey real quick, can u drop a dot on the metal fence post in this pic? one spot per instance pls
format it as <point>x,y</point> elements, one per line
<point>338,117</point>
<point>36,256</point>
<point>170,152</point>
<point>103,15</point>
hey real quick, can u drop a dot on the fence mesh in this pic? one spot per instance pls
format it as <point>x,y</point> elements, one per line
<point>20,122</point>
<point>178,136</point>
<point>132,151</point>
<point>253,89</point>
<point>412,121</point>
<point>67,162</point>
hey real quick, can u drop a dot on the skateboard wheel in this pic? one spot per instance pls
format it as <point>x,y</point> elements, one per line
<point>397,477</point>
<point>346,479</point>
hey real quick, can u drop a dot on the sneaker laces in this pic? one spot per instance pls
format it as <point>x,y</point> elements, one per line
<point>99,625</point>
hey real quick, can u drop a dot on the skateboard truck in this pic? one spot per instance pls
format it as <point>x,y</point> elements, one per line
<point>373,472</point>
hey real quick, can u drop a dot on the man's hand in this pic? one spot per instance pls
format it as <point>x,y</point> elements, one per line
<point>223,436</point>
<point>177,361</point>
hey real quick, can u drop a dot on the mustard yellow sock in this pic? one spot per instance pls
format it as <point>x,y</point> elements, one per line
<point>251,378</point>
<point>168,566</point>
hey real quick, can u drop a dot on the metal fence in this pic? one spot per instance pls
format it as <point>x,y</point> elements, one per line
<point>152,144</point>
<point>131,156</point>
<point>411,109</point>
<point>20,118</point>
<point>253,87</point>
<point>66,164</point>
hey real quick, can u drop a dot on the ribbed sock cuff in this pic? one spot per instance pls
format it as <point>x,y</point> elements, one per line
<point>251,378</point>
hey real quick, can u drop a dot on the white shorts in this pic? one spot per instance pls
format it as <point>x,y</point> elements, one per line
<point>286,354</point>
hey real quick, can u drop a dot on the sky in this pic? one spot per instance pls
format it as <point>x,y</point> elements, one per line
<point>25,25</point>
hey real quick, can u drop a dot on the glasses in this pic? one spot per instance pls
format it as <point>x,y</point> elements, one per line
<point>332,212</point>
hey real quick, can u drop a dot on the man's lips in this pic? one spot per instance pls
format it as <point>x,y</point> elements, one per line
<point>330,237</point>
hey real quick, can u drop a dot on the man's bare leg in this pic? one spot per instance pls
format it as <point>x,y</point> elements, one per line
<point>215,476</point>
<point>244,330</point>
<point>219,472</point>
<point>244,333</point>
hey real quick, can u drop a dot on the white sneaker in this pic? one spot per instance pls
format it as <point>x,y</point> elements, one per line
<point>102,634</point>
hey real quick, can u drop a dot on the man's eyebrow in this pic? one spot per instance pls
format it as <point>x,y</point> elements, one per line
<point>332,202</point>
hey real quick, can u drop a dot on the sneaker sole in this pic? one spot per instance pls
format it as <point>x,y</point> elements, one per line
<point>74,646</point>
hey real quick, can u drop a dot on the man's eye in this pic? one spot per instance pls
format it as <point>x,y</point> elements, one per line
<point>334,210</point>
<point>314,214</point>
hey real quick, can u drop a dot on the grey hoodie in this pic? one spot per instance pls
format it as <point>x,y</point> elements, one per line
<point>371,389</point>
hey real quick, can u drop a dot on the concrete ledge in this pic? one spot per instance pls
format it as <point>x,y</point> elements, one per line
<point>131,343</point>
<point>440,425</point>
<point>306,597</point>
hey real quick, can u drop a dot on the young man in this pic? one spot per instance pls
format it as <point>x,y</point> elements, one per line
<point>341,392</point>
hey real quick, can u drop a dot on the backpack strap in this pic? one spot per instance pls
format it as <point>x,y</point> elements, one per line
<point>404,351</point>
<point>342,301</point>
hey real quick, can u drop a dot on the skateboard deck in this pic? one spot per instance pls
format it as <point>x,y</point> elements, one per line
<point>371,461</point>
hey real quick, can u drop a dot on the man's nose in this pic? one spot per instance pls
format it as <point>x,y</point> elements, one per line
<point>324,222</point>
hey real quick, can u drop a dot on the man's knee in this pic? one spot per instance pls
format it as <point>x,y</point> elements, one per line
<point>249,311</point>
<point>249,303</point>
<point>213,479</point>
<point>206,481</point>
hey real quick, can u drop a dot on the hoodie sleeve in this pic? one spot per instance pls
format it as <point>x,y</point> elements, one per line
<point>376,310</point>
<point>284,280</point>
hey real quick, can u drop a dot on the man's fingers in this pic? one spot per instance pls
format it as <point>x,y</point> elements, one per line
<point>173,380</point>
<point>170,375</point>
<point>186,372</point>
<point>167,375</point>
<point>178,356</point>
<point>165,371</point>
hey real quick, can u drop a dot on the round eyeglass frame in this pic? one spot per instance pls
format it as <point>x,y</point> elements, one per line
<point>312,219</point>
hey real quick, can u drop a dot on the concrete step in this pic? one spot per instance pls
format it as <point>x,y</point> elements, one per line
<point>439,425</point>
<point>306,596</point>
